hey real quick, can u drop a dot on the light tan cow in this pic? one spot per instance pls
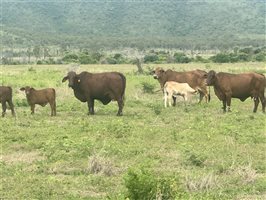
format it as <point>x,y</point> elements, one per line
<point>172,88</point>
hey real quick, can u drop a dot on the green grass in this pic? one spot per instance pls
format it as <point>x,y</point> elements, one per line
<point>76,156</point>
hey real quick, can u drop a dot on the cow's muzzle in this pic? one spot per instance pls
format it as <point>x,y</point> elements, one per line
<point>155,76</point>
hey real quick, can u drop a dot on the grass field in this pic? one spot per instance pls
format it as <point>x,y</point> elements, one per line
<point>192,152</point>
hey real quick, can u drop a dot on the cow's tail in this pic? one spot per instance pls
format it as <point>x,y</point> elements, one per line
<point>124,86</point>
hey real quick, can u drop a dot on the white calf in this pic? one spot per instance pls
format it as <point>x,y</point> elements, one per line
<point>172,88</point>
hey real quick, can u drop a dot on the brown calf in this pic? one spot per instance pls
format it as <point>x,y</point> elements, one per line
<point>6,96</point>
<point>41,97</point>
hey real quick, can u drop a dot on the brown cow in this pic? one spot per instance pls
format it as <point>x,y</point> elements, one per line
<point>6,96</point>
<point>100,86</point>
<point>196,80</point>
<point>241,86</point>
<point>40,97</point>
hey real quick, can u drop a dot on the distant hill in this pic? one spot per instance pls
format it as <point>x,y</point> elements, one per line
<point>134,23</point>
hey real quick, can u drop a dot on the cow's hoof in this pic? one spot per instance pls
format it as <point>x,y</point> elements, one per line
<point>119,114</point>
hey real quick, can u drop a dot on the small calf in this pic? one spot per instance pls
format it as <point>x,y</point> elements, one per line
<point>172,88</point>
<point>41,97</point>
<point>6,96</point>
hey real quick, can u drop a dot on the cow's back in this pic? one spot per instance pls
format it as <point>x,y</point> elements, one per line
<point>193,78</point>
<point>242,85</point>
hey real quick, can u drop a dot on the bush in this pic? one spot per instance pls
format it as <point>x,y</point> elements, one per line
<point>150,58</point>
<point>71,57</point>
<point>148,87</point>
<point>221,58</point>
<point>111,60</point>
<point>260,57</point>
<point>86,59</point>
<point>143,184</point>
<point>181,58</point>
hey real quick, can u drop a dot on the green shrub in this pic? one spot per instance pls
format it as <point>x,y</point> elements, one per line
<point>71,57</point>
<point>147,87</point>
<point>86,59</point>
<point>151,58</point>
<point>145,185</point>
<point>111,60</point>
<point>260,57</point>
<point>220,58</point>
<point>181,58</point>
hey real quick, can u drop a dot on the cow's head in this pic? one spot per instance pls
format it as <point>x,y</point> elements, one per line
<point>72,79</point>
<point>27,89</point>
<point>210,77</point>
<point>158,73</point>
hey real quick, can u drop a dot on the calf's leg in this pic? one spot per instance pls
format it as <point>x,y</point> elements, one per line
<point>3,108</point>
<point>53,108</point>
<point>32,107</point>
<point>165,99</point>
<point>11,105</point>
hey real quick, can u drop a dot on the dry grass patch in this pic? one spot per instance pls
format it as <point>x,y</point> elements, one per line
<point>22,157</point>
<point>101,165</point>
<point>204,183</point>
<point>246,173</point>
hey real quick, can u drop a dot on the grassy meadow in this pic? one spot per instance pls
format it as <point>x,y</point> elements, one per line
<point>183,152</point>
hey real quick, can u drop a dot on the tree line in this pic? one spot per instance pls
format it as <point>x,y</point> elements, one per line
<point>65,55</point>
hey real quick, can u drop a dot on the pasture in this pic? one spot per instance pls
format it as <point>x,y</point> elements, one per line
<point>184,152</point>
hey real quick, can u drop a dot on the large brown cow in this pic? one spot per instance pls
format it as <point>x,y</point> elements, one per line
<point>241,86</point>
<point>6,97</point>
<point>100,86</point>
<point>196,80</point>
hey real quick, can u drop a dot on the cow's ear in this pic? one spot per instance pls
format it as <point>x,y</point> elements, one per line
<point>64,79</point>
<point>22,89</point>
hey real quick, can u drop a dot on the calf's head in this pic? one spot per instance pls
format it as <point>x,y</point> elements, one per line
<point>210,77</point>
<point>72,79</point>
<point>158,73</point>
<point>27,89</point>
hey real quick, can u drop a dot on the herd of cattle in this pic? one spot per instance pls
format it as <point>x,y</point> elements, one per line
<point>109,86</point>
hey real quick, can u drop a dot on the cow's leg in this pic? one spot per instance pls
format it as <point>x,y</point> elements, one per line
<point>228,102</point>
<point>11,105</point>
<point>120,107</point>
<point>3,108</point>
<point>224,105</point>
<point>91,106</point>
<point>174,100</point>
<point>201,96</point>
<point>32,107</point>
<point>263,102</point>
<point>256,103</point>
